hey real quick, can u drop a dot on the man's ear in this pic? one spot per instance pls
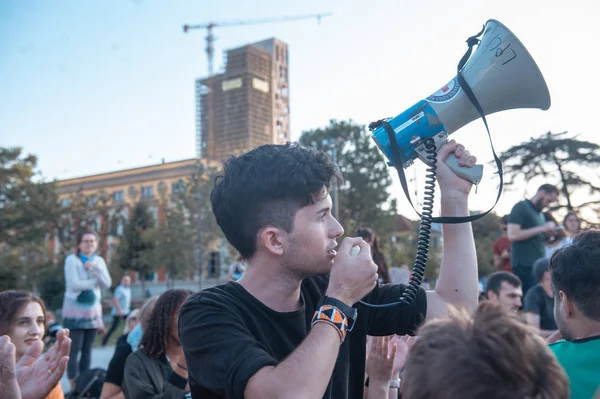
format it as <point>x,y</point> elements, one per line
<point>491,295</point>
<point>568,307</point>
<point>273,239</point>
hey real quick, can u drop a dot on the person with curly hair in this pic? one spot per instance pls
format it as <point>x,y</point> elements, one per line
<point>159,366</point>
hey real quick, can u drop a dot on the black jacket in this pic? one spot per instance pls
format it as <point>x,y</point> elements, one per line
<point>150,378</point>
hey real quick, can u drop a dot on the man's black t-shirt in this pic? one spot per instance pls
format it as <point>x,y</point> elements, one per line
<point>537,302</point>
<point>228,335</point>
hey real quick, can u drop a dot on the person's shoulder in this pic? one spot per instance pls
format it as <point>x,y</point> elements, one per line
<point>533,294</point>
<point>222,295</point>
<point>519,206</point>
<point>557,346</point>
<point>136,359</point>
<point>122,340</point>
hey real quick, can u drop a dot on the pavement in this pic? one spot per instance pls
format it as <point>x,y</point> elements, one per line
<point>100,358</point>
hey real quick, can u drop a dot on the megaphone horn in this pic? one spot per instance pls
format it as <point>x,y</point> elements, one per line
<point>501,74</point>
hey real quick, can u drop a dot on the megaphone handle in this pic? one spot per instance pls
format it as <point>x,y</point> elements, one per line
<point>472,174</point>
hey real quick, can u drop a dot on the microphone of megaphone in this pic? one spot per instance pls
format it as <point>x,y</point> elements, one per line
<point>501,74</point>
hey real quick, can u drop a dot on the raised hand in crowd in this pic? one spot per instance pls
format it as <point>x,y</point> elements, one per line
<point>9,387</point>
<point>380,367</point>
<point>37,375</point>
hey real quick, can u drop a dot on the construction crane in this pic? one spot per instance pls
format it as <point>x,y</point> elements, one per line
<point>210,38</point>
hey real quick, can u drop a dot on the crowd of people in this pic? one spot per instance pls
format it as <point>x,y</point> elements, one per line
<point>306,316</point>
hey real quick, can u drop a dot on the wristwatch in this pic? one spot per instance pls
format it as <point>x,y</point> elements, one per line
<point>395,383</point>
<point>350,312</point>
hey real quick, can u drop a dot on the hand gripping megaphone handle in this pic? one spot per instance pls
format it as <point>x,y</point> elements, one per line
<point>472,174</point>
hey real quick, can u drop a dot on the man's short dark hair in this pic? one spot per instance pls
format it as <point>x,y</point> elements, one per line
<point>575,271</point>
<point>494,281</point>
<point>266,187</point>
<point>549,188</point>
<point>540,266</point>
<point>491,355</point>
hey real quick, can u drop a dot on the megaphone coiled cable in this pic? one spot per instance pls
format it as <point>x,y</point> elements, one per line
<point>418,272</point>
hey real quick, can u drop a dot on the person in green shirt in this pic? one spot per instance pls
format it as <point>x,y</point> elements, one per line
<point>575,275</point>
<point>526,229</point>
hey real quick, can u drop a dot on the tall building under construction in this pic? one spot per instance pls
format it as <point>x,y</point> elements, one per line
<point>245,106</point>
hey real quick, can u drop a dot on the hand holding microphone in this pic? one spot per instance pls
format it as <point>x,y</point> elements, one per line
<point>353,273</point>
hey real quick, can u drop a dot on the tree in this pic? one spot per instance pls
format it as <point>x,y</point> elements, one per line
<point>135,252</point>
<point>566,161</point>
<point>364,198</point>
<point>194,195</point>
<point>28,210</point>
<point>173,241</point>
<point>486,230</point>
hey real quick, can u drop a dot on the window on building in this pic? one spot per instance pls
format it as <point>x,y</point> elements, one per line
<point>178,187</point>
<point>117,226</point>
<point>92,200</point>
<point>147,191</point>
<point>118,196</point>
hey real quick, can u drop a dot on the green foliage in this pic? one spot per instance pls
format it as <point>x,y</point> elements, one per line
<point>173,241</point>
<point>28,211</point>
<point>135,251</point>
<point>195,201</point>
<point>486,230</point>
<point>364,198</point>
<point>52,286</point>
<point>569,163</point>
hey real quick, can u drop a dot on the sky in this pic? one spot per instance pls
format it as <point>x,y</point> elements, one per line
<point>98,86</point>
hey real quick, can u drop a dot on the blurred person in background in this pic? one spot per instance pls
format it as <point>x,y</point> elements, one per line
<point>158,368</point>
<point>501,248</point>
<point>372,239</point>
<point>111,389</point>
<point>121,306</point>
<point>526,231</point>
<point>570,227</point>
<point>538,304</point>
<point>236,269</point>
<point>85,274</point>
<point>504,289</point>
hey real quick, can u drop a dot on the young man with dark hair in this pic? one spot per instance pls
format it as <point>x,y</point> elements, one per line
<point>526,228</point>
<point>504,289</point>
<point>575,275</point>
<point>491,355</point>
<point>293,326</point>
<point>539,300</point>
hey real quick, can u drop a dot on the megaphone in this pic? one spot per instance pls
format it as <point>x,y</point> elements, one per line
<point>501,74</point>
